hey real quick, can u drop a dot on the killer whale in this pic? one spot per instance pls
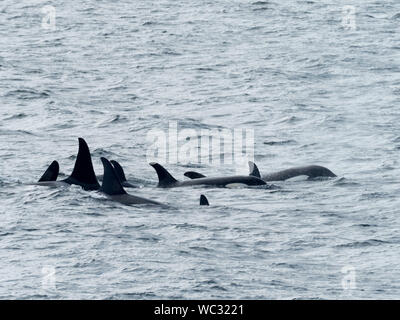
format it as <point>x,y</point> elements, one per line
<point>312,171</point>
<point>51,174</point>
<point>113,189</point>
<point>166,180</point>
<point>121,175</point>
<point>49,177</point>
<point>204,200</point>
<point>194,175</point>
<point>82,174</point>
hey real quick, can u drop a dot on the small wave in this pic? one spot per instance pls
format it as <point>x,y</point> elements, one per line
<point>289,119</point>
<point>364,225</point>
<point>149,239</point>
<point>396,16</point>
<point>202,249</point>
<point>360,244</point>
<point>373,195</point>
<point>344,182</point>
<point>190,226</point>
<point>133,295</point>
<point>115,119</point>
<point>279,143</point>
<point>260,9</point>
<point>219,288</point>
<point>28,94</point>
<point>17,116</point>
<point>100,152</point>
<point>14,132</point>
<point>149,23</point>
<point>170,52</point>
<point>204,69</point>
<point>6,234</point>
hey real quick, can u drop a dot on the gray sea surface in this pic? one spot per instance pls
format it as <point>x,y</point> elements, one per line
<point>315,86</point>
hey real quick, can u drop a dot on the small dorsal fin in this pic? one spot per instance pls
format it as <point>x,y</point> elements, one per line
<point>51,173</point>
<point>254,170</point>
<point>83,173</point>
<point>203,200</point>
<point>193,175</point>
<point>165,179</point>
<point>119,171</point>
<point>111,184</point>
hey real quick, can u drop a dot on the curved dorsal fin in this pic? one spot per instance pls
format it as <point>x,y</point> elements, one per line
<point>51,173</point>
<point>83,173</point>
<point>203,200</point>
<point>111,184</point>
<point>119,171</point>
<point>193,175</point>
<point>165,179</point>
<point>254,170</point>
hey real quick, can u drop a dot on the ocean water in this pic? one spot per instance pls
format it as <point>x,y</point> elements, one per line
<point>316,81</point>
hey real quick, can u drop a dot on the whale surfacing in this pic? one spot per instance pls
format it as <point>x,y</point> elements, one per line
<point>204,200</point>
<point>166,180</point>
<point>121,175</point>
<point>312,171</point>
<point>51,174</point>
<point>113,189</point>
<point>83,174</point>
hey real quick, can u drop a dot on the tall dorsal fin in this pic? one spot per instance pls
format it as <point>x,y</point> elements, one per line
<point>165,179</point>
<point>83,173</point>
<point>111,184</point>
<point>203,200</point>
<point>254,170</point>
<point>119,171</point>
<point>51,173</point>
<point>193,175</point>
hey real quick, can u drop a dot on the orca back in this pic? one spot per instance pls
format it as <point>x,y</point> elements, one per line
<point>203,200</point>
<point>111,184</point>
<point>165,179</point>
<point>51,173</point>
<point>194,175</point>
<point>119,171</point>
<point>254,170</point>
<point>83,173</point>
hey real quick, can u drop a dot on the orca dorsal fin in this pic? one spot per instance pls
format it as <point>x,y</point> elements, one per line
<point>119,171</point>
<point>83,173</point>
<point>51,173</point>
<point>193,175</point>
<point>111,184</point>
<point>254,170</point>
<point>203,200</point>
<point>165,179</point>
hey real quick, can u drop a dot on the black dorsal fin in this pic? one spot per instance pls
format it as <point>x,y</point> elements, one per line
<point>51,173</point>
<point>119,171</point>
<point>193,175</point>
<point>203,200</point>
<point>254,170</point>
<point>111,184</point>
<point>83,173</point>
<point>165,179</point>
